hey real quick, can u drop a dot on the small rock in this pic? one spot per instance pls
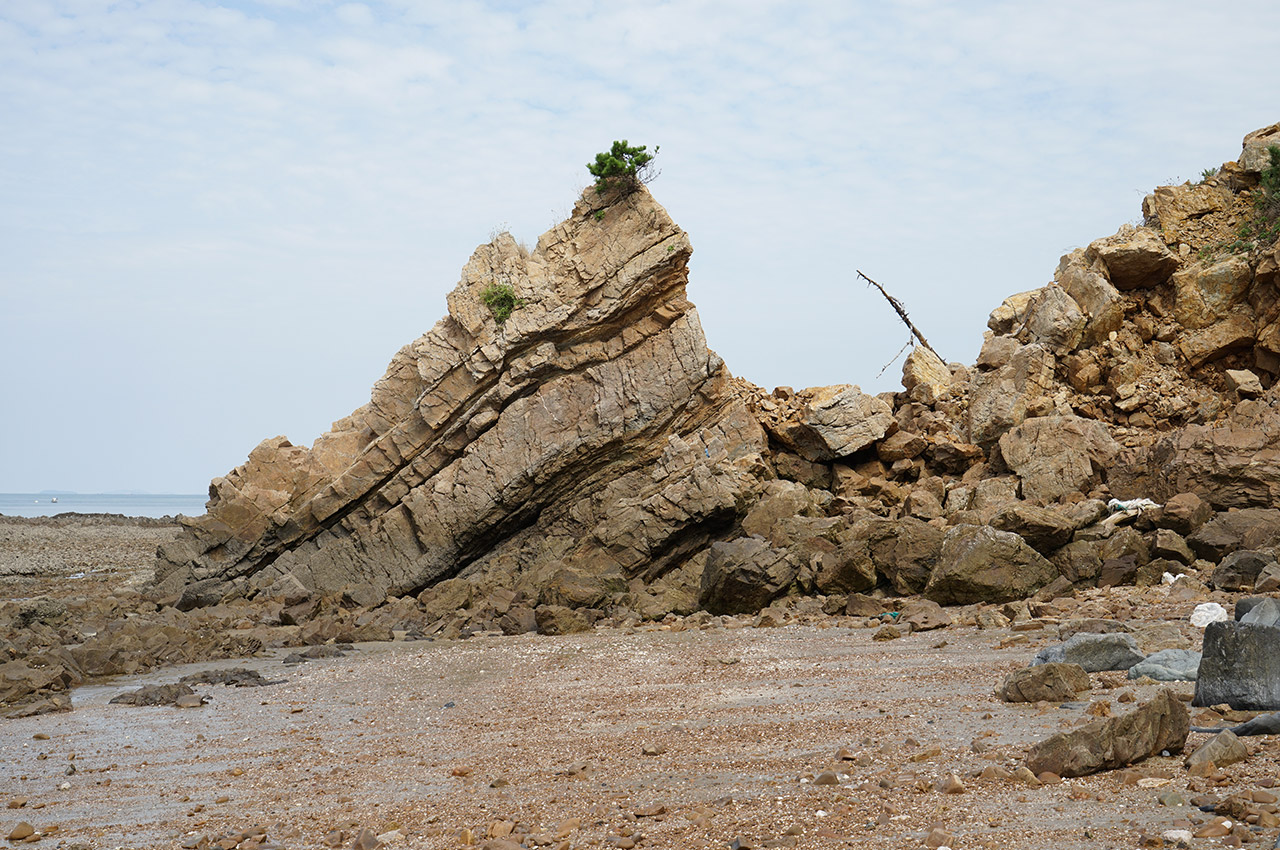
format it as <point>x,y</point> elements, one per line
<point>938,838</point>
<point>826,777</point>
<point>1222,749</point>
<point>653,749</point>
<point>1176,837</point>
<point>951,784</point>
<point>887,632</point>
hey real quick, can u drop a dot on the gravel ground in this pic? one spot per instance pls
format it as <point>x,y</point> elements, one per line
<point>653,738</point>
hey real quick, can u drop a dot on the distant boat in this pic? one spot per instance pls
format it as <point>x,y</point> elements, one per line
<point>54,500</point>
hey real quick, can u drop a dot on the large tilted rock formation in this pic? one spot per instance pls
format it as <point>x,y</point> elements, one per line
<point>589,440</point>
<point>590,453</point>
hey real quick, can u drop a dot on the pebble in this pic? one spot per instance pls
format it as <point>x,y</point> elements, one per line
<point>1177,837</point>
<point>951,784</point>
<point>938,838</point>
<point>653,749</point>
<point>826,777</point>
<point>1026,777</point>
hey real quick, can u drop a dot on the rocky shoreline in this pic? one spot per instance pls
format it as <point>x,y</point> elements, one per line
<point>1063,558</point>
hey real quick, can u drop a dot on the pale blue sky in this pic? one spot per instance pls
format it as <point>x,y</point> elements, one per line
<point>220,220</point>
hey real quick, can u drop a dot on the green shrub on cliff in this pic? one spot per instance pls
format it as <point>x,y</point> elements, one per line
<point>1266,204</point>
<point>624,167</point>
<point>501,300</point>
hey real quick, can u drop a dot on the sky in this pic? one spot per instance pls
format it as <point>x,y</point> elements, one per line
<point>219,220</point>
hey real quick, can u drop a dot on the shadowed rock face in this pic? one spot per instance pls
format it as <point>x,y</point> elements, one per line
<point>589,440</point>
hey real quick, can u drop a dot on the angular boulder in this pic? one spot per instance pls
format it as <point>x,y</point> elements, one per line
<point>1153,727</point>
<point>1168,665</point>
<point>844,420</point>
<point>1240,666</point>
<point>745,575</point>
<point>977,563</point>
<point>1093,652</point>
<point>1053,319</point>
<point>1135,257</point>
<point>1057,455</point>
<point>1100,302</point>
<point>925,377</point>
<point>1043,529</point>
<point>1240,569</point>
<point>1051,682</point>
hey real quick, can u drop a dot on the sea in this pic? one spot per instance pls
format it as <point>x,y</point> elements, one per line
<point>128,504</point>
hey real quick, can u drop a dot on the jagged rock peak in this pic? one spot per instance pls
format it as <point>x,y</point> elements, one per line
<point>592,432</point>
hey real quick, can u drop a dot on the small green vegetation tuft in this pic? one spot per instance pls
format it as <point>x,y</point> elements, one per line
<point>1266,203</point>
<point>1207,173</point>
<point>501,300</point>
<point>624,167</point>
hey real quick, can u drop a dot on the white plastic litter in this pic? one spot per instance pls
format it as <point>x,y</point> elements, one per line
<point>1117,505</point>
<point>1168,578</point>
<point>1206,613</point>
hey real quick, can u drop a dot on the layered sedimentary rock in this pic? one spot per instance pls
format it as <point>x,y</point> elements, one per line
<point>590,439</point>
<point>589,457</point>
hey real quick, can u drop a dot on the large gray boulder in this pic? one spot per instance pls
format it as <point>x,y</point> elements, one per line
<point>1239,570</point>
<point>1093,652</point>
<point>1240,666</point>
<point>980,564</point>
<point>1168,665</point>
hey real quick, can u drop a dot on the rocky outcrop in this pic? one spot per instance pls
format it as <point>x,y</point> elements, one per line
<point>589,454</point>
<point>592,434</point>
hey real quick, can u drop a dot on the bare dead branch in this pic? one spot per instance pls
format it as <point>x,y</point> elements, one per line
<point>902,314</point>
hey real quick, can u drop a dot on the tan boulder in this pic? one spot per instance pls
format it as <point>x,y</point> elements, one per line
<point>1100,302</point>
<point>1054,682</point>
<point>844,419</point>
<point>1008,316</point>
<point>1002,398</point>
<point>1253,154</point>
<point>1153,727</point>
<point>1057,455</point>
<point>1135,258</point>
<point>925,377</point>
<point>1205,294</point>
<point>980,564</point>
<point>1181,212</point>
<point>1237,331</point>
<point>1052,319</point>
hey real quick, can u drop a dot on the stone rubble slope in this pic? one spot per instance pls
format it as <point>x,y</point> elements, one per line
<point>590,458</point>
